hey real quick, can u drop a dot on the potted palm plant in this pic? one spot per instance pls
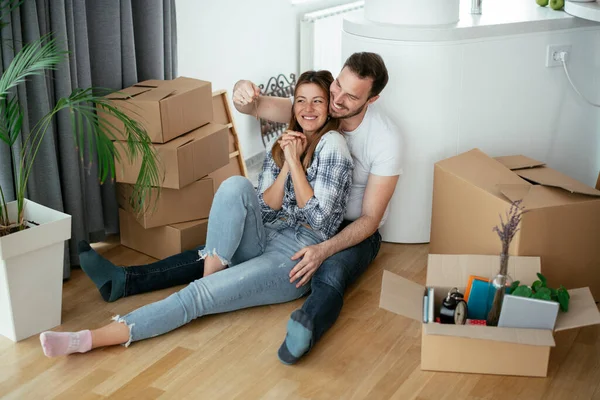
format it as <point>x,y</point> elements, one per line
<point>32,236</point>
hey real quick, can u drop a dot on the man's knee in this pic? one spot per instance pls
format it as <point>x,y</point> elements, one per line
<point>332,273</point>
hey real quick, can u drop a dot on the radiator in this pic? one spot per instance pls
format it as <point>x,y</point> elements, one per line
<point>321,37</point>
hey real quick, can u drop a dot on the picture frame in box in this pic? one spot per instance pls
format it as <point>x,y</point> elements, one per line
<point>529,313</point>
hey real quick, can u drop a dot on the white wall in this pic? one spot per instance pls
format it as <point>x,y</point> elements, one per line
<point>227,40</point>
<point>494,94</point>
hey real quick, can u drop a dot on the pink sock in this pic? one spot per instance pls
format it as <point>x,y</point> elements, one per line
<point>63,343</point>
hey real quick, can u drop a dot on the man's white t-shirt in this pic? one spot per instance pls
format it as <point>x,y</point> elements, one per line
<point>376,148</point>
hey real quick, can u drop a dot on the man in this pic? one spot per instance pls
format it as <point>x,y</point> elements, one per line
<point>376,148</point>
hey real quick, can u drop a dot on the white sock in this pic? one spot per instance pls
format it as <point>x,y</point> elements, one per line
<point>62,343</point>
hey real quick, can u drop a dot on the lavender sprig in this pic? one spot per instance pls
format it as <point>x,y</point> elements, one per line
<point>507,230</point>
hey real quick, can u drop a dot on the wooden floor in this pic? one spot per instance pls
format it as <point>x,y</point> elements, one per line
<point>369,354</point>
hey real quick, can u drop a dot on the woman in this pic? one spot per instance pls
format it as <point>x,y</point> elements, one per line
<point>302,195</point>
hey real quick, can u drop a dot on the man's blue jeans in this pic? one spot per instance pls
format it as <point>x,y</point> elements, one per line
<point>333,277</point>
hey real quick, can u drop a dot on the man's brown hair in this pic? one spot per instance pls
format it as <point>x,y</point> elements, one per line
<point>369,66</point>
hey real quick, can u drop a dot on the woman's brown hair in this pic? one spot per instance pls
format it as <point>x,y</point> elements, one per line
<point>323,79</point>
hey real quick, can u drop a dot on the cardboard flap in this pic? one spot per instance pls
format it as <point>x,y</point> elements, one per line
<point>178,142</point>
<point>158,94</point>
<point>150,83</point>
<point>582,311</point>
<point>532,337</point>
<point>480,170</point>
<point>183,84</point>
<point>518,162</point>
<point>515,192</point>
<point>127,93</point>
<point>401,296</point>
<point>453,270</point>
<point>549,177</point>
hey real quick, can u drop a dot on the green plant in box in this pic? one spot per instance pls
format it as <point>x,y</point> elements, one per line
<point>540,290</point>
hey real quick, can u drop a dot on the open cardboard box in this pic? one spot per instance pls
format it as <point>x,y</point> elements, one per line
<point>562,223</point>
<point>173,206</point>
<point>184,160</point>
<point>166,108</point>
<point>481,349</point>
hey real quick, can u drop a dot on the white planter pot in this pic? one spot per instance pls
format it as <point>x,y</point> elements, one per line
<point>31,272</point>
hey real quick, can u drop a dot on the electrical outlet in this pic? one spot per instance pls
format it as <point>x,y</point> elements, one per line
<point>553,54</point>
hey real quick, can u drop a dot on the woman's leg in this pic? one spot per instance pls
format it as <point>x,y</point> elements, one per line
<point>235,229</point>
<point>259,281</point>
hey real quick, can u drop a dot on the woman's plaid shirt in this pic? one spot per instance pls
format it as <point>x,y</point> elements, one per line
<point>329,175</point>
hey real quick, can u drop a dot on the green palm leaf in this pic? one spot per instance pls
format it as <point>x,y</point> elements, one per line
<point>11,120</point>
<point>89,125</point>
<point>35,58</point>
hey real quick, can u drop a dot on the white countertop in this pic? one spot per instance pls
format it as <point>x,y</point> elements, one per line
<point>499,18</point>
<point>586,10</point>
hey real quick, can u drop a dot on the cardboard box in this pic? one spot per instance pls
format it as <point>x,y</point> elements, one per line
<point>167,109</point>
<point>184,160</point>
<point>220,175</point>
<point>173,205</point>
<point>562,224</point>
<point>221,116</point>
<point>231,139</point>
<point>163,241</point>
<point>481,349</point>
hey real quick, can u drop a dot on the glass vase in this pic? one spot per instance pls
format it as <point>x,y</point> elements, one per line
<point>499,286</point>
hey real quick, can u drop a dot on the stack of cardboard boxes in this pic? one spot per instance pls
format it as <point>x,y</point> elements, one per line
<point>559,236</point>
<point>194,155</point>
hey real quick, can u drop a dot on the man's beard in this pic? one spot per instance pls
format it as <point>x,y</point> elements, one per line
<point>353,113</point>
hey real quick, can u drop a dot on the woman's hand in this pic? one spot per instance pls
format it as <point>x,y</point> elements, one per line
<point>297,139</point>
<point>293,145</point>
